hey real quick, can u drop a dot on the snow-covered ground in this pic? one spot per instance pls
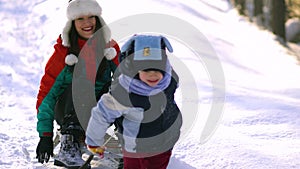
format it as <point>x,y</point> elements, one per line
<point>260,116</point>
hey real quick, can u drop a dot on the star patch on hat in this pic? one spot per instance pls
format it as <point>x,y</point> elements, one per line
<point>146,51</point>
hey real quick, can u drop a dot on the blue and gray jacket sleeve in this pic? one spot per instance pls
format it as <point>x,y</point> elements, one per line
<point>107,110</point>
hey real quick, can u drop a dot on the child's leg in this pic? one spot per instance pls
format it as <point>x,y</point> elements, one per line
<point>132,163</point>
<point>159,161</point>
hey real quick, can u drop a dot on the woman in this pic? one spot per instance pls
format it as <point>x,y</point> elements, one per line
<point>54,100</point>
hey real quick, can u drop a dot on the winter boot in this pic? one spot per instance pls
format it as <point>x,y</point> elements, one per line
<point>78,134</point>
<point>69,154</point>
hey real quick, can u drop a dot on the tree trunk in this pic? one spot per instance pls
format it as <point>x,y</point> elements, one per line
<point>240,5</point>
<point>278,18</point>
<point>258,7</point>
<point>258,13</point>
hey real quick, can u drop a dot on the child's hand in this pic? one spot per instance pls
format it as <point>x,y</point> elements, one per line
<point>97,150</point>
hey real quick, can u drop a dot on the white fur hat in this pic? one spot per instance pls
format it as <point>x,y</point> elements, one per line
<point>77,8</point>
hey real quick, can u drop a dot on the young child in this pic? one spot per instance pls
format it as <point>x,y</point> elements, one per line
<point>141,104</point>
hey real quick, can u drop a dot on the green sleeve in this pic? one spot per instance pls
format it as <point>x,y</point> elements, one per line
<point>46,109</point>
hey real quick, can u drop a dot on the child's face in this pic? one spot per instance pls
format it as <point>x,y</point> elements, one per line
<point>151,77</point>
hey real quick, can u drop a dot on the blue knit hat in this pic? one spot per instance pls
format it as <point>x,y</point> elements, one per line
<point>142,52</point>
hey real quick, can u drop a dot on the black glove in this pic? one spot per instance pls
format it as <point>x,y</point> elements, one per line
<point>44,149</point>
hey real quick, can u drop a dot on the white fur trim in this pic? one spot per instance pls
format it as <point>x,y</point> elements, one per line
<point>71,59</point>
<point>110,53</point>
<point>106,30</point>
<point>77,8</point>
<point>65,34</point>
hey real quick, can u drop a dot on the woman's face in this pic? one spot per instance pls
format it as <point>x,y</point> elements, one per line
<point>151,78</point>
<point>85,26</point>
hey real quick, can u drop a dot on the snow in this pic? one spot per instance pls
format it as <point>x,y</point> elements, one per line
<point>258,103</point>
